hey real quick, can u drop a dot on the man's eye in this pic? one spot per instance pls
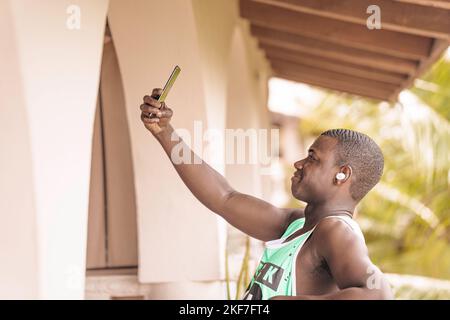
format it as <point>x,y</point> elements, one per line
<point>311,157</point>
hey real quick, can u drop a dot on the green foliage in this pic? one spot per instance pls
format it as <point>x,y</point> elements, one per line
<point>407,287</point>
<point>437,97</point>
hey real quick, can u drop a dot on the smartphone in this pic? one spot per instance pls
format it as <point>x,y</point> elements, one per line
<point>169,84</point>
<point>176,71</point>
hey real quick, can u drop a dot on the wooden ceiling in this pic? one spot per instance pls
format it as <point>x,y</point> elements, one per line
<point>326,43</point>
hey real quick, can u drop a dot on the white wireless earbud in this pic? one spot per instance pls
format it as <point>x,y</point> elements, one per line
<point>340,176</point>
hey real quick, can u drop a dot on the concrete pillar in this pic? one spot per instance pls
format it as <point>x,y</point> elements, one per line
<point>55,49</point>
<point>178,237</point>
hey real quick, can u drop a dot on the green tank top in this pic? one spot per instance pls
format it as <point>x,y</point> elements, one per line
<point>275,274</point>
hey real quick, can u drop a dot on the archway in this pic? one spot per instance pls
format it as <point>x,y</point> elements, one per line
<point>112,225</point>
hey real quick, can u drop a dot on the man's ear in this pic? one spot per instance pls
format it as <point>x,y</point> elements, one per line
<point>343,175</point>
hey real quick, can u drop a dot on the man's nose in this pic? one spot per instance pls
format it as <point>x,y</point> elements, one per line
<point>298,165</point>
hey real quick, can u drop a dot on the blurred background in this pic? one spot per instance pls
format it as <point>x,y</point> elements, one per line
<point>405,219</point>
<point>91,207</point>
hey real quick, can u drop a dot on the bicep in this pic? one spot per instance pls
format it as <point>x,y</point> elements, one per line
<point>346,256</point>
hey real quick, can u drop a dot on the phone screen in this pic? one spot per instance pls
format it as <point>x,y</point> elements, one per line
<point>169,84</point>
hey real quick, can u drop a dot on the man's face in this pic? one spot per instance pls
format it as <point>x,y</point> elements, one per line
<point>313,179</point>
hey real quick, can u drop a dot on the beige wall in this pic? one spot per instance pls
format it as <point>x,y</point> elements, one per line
<point>207,41</point>
<point>234,97</point>
<point>243,108</point>
<point>18,255</point>
<point>215,24</point>
<point>235,76</point>
<point>56,74</point>
<point>47,128</point>
<point>169,217</point>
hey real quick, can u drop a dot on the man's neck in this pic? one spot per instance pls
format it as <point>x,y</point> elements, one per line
<point>315,212</point>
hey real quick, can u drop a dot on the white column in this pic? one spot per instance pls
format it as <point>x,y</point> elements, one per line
<point>55,72</point>
<point>18,254</point>
<point>178,236</point>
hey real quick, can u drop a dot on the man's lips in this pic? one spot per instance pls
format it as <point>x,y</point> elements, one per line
<point>297,175</point>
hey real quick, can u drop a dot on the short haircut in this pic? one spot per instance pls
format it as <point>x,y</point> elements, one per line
<point>361,153</point>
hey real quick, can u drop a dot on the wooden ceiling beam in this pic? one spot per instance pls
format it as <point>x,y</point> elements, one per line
<point>324,84</point>
<point>439,47</point>
<point>273,53</point>
<point>324,49</point>
<point>443,4</point>
<point>331,76</point>
<point>396,16</point>
<point>338,32</point>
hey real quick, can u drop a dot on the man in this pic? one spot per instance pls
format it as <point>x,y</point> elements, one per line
<point>315,253</point>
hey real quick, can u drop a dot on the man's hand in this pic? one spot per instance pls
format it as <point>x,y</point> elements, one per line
<point>155,115</point>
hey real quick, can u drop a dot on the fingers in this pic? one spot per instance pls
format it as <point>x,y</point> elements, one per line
<point>151,101</point>
<point>149,109</point>
<point>160,113</point>
<point>152,110</point>
<point>146,119</point>
<point>157,92</point>
<point>165,112</point>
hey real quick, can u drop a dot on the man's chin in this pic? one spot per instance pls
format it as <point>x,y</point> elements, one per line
<point>298,194</point>
<point>299,197</point>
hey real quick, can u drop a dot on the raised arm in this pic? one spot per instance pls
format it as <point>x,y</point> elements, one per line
<point>251,215</point>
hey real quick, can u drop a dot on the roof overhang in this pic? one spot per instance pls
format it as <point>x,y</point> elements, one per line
<point>327,43</point>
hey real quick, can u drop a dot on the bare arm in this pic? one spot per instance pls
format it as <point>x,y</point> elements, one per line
<point>251,215</point>
<point>347,257</point>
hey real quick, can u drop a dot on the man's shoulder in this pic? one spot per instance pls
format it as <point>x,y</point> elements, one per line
<point>332,224</point>
<point>334,230</point>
